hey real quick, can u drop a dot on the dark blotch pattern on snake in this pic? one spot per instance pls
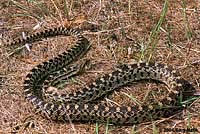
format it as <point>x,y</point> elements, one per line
<point>79,106</point>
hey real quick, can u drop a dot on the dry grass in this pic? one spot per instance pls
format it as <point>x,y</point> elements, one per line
<point>119,32</point>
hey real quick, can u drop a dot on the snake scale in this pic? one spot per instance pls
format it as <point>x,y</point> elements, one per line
<point>79,106</point>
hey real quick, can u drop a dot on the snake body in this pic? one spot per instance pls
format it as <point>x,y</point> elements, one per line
<point>79,106</point>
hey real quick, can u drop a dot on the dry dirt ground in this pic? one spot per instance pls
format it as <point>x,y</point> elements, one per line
<point>119,32</point>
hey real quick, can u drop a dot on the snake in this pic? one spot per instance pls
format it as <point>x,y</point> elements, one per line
<point>81,106</point>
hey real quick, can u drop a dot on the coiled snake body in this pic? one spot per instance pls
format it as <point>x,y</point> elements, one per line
<point>79,106</point>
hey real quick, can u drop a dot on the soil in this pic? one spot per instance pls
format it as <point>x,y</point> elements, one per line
<point>119,31</point>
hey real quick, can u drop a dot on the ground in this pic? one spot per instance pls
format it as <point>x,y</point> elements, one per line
<point>120,32</point>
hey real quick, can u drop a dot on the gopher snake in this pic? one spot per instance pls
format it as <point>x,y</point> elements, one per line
<point>79,106</point>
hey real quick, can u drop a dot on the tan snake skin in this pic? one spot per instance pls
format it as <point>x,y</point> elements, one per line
<point>79,106</point>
